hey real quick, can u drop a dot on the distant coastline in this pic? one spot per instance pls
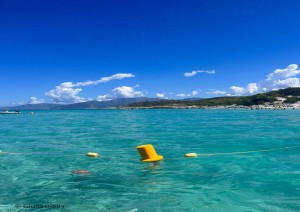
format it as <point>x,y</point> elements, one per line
<point>283,99</point>
<point>288,98</point>
<point>227,107</point>
<point>257,107</point>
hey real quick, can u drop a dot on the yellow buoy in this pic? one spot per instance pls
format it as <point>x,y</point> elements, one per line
<point>148,153</point>
<point>92,154</point>
<point>190,155</point>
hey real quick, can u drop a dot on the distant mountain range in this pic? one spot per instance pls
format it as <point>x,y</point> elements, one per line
<point>83,105</point>
<point>43,106</point>
<point>104,104</point>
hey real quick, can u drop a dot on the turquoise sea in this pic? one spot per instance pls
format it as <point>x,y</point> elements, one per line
<point>52,144</point>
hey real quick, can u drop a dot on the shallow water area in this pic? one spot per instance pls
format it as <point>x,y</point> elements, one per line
<point>50,145</point>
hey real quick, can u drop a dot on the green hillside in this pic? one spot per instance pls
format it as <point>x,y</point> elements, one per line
<point>292,95</point>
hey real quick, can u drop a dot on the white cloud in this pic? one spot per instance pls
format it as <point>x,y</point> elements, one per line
<point>252,88</point>
<point>193,93</point>
<point>126,92</point>
<point>290,71</point>
<point>288,82</point>
<point>217,92</point>
<point>161,95</point>
<point>103,79</point>
<point>208,72</point>
<point>63,93</point>
<point>182,95</point>
<point>278,79</point>
<point>105,97</point>
<point>190,74</point>
<point>67,92</point>
<point>121,92</point>
<point>193,73</point>
<point>237,90</point>
<point>34,100</point>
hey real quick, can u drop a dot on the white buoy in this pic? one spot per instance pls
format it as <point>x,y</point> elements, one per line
<point>92,154</point>
<point>191,155</point>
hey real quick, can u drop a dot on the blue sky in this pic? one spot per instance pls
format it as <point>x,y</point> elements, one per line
<point>166,49</point>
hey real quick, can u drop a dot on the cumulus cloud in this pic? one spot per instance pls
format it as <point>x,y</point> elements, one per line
<point>121,92</point>
<point>252,88</point>
<point>67,92</point>
<point>193,93</point>
<point>34,100</point>
<point>193,73</point>
<point>237,90</point>
<point>288,82</point>
<point>63,93</point>
<point>161,95</point>
<point>290,71</point>
<point>126,92</point>
<point>278,79</point>
<point>105,97</point>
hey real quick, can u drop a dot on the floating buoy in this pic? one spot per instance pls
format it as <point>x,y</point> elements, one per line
<point>148,153</point>
<point>92,154</point>
<point>80,172</point>
<point>190,155</point>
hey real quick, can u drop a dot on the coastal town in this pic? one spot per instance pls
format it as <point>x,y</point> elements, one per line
<point>256,107</point>
<point>282,99</point>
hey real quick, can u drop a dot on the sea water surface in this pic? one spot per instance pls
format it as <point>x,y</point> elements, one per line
<point>52,144</point>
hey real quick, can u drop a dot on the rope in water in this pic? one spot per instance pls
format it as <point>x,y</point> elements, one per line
<point>35,153</point>
<point>246,152</point>
<point>200,155</point>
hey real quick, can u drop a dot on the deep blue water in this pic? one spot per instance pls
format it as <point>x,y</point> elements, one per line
<point>53,143</point>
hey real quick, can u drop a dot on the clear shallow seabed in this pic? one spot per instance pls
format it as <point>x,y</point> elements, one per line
<point>52,141</point>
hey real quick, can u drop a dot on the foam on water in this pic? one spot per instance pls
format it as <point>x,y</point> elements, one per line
<point>51,142</point>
